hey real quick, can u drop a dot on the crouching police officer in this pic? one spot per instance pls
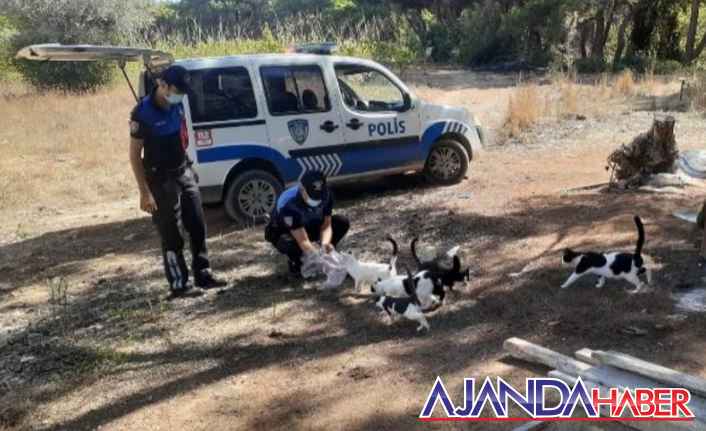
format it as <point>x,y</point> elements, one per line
<point>167,184</point>
<point>303,216</point>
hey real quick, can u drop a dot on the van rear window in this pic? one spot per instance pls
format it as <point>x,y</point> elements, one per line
<point>221,95</point>
<point>293,90</point>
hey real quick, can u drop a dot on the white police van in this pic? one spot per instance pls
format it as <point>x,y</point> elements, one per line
<point>258,122</point>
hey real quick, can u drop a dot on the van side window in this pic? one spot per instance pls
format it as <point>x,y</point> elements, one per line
<point>293,90</point>
<point>221,95</point>
<point>367,90</point>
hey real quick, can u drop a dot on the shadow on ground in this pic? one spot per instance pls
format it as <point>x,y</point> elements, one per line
<point>469,330</point>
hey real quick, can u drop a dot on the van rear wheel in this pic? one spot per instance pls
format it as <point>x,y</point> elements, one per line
<point>251,196</point>
<point>447,163</point>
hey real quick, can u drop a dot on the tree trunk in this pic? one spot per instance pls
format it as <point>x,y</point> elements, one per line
<point>604,22</point>
<point>585,34</point>
<point>691,33</point>
<point>644,20</point>
<point>694,52</point>
<point>597,44</point>
<point>622,30</point>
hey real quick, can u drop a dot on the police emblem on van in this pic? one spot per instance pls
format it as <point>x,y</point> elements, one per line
<point>299,129</point>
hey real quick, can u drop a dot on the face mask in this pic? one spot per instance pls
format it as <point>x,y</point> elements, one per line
<point>175,99</point>
<point>311,202</point>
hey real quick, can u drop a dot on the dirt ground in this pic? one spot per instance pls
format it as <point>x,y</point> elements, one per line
<point>88,341</point>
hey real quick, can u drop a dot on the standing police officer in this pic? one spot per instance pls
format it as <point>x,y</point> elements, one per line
<point>168,186</point>
<point>303,216</point>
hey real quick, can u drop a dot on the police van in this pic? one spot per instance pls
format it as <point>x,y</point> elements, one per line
<point>257,123</point>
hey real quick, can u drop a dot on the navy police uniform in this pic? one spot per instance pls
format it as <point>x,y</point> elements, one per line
<point>173,186</point>
<point>292,213</point>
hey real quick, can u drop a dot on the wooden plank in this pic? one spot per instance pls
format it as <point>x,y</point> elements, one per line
<point>531,352</point>
<point>653,371</point>
<point>642,426</point>
<point>608,376</point>
<point>585,355</point>
<point>532,426</point>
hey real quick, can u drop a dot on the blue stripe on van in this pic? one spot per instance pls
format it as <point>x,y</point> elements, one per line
<point>355,159</point>
<point>289,169</point>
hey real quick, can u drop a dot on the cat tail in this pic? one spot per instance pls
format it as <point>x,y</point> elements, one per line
<point>453,251</point>
<point>640,236</point>
<point>413,247</point>
<point>393,258</point>
<point>392,241</point>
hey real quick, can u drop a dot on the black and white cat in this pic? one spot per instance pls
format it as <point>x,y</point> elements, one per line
<point>429,286</point>
<point>409,307</point>
<point>624,266</point>
<point>449,276</point>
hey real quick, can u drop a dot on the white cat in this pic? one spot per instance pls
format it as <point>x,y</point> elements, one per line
<point>367,273</point>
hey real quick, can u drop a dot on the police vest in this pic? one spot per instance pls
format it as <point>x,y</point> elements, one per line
<point>161,131</point>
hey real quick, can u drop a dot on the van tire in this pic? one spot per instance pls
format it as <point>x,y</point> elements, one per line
<point>257,188</point>
<point>447,163</point>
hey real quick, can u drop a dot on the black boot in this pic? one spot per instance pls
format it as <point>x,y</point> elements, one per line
<point>295,267</point>
<point>186,290</point>
<point>206,280</point>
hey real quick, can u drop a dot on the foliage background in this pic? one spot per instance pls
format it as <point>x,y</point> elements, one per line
<point>657,36</point>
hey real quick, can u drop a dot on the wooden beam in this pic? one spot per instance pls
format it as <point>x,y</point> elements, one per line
<point>604,411</point>
<point>653,371</point>
<point>532,426</point>
<point>530,352</point>
<point>608,376</point>
<point>585,355</point>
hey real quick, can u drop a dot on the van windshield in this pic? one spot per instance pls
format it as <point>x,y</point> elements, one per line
<point>368,90</point>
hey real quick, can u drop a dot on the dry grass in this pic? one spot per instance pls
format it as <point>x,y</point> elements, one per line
<point>625,83</point>
<point>567,98</point>
<point>525,108</point>
<point>696,92</point>
<point>62,150</point>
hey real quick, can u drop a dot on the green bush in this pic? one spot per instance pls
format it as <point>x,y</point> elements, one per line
<point>636,62</point>
<point>668,67</point>
<point>484,38</point>
<point>590,65</point>
<point>443,40</point>
<point>6,32</point>
<point>74,22</point>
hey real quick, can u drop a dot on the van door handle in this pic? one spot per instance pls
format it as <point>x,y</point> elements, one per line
<point>329,126</point>
<point>355,124</point>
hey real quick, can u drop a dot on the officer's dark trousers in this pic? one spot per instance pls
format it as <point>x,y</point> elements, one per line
<point>179,202</point>
<point>285,243</point>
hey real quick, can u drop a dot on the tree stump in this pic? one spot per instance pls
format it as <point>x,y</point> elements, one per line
<point>650,153</point>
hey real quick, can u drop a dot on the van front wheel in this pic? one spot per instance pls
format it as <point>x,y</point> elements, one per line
<point>251,196</point>
<point>447,163</point>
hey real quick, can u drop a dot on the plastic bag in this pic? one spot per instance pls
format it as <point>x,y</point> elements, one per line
<point>333,268</point>
<point>312,265</point>
<point>330,265</point>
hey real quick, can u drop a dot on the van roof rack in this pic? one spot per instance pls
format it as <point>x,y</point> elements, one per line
<point>322,48</point>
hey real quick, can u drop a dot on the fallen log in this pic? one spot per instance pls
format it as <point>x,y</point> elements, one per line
<point>530,352</point>
<point>653,371</point>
